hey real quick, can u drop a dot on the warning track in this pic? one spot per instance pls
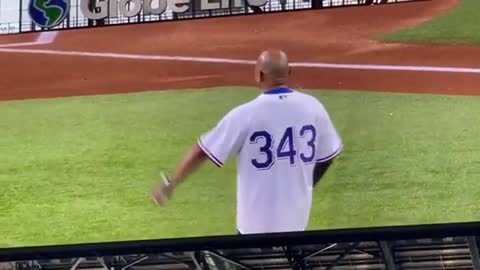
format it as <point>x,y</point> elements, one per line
<point>329,49</point>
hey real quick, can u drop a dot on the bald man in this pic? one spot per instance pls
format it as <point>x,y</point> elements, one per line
<point>284,142</point>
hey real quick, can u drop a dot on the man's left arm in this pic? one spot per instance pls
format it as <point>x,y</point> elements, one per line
<point>329,146</point>
<point>320,169</point>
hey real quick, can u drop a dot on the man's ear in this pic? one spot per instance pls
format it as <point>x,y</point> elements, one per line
<point>261,76</point>
<point>289,71</point>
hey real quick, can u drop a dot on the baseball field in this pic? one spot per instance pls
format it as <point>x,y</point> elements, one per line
<point>89,119</point>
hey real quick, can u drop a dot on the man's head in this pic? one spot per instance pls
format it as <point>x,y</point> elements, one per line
<point>272,69</point>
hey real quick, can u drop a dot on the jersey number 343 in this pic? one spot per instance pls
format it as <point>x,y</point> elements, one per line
<point>285,149</point>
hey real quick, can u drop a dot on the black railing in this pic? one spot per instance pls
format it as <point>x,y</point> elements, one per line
<point>441,246</point>
<point>436,231</point>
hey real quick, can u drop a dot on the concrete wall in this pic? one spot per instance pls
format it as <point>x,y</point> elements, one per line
<point>9,15</point>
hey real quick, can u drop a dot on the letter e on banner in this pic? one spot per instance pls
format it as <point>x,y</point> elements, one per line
<point>178,6</point>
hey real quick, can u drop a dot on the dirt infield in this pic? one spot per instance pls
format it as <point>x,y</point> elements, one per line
<point>338,36</point>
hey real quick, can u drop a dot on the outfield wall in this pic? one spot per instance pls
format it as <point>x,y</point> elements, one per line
<point>14,16</point>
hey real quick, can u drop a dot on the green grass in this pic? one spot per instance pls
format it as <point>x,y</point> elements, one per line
<point>78,170</point>
<point>460,25</point>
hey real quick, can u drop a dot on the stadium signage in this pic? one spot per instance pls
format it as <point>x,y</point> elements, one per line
<point>131,8</point>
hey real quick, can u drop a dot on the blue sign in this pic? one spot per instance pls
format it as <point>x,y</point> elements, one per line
<point>48,13</point>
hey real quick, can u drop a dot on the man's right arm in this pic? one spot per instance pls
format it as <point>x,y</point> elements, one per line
<point>226,139</point>
<point>217,145</point>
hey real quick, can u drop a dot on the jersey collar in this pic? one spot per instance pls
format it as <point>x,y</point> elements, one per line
<point>281,90</point>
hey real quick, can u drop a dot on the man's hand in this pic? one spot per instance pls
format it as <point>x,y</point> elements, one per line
<point>163,192</point>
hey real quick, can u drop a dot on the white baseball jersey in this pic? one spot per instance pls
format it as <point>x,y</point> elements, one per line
<point>277,139</point>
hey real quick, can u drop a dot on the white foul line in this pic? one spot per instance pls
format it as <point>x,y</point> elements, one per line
<point>9,45</point>
<point>389,67</point>
<point>42,39</point>
<point>243,62</point>
<point>130,56</point>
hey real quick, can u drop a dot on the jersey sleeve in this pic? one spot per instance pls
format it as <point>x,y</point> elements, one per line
<point>329,143</point>
<point>225,140</point>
